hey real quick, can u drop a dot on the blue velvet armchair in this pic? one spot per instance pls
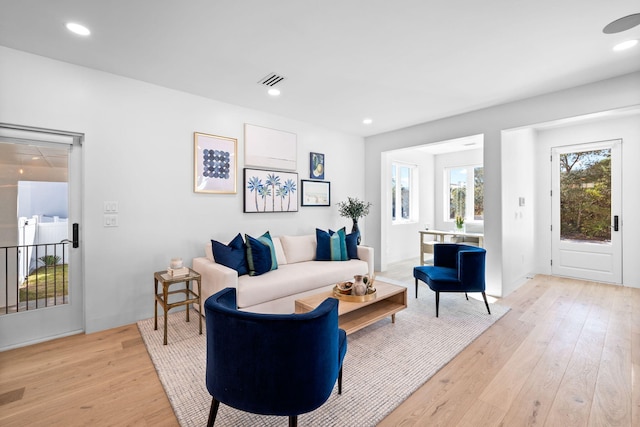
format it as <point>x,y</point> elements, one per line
<point>456,268</point>
<point>272,364</point>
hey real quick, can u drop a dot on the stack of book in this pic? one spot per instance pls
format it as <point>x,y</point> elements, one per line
<point>175,272</point>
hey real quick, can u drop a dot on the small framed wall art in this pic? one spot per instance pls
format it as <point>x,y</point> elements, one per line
<point>214,164</point>
<point>270,191</point>
<point>316,166</point>
<point>315,193</point>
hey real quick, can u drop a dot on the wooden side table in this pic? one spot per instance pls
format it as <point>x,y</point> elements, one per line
<point>190,296</point>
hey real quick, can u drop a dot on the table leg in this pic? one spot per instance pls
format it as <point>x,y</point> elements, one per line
<point>393,318</point>
<point>200,304</point>
<point>155,306</point>
<point>166,296</point>
<point>188,282</point>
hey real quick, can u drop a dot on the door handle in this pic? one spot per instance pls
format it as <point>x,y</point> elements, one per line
<point>615,223</point>
<point>75,235</point>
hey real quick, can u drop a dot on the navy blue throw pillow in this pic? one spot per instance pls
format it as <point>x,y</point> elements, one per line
<point>232,255</point>
<point>352,245</point>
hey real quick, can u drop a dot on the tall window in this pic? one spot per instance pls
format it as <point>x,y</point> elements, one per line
<point>402,192</point>
<point>465,187</point>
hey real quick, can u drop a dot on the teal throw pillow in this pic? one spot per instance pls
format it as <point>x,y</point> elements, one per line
<point>342,235</point>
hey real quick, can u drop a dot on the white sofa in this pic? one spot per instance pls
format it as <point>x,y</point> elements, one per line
<point>297,275</point>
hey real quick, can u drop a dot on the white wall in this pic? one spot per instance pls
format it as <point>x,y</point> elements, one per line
<point>138,151</point>
<point>605,95</point>
<point>521,171</point>
<point>625,128</point>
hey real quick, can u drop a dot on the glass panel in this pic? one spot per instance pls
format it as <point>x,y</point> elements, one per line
<point>457,192</point>
<point>585,196</point>
<point>393,192</point>
<point>478,193</point>
<point>33,222</point>
<point>405,195</point>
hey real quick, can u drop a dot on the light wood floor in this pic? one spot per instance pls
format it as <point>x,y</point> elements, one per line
<point>567,354</point>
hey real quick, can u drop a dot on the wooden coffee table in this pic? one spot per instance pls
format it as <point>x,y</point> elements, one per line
<point>353,316</point>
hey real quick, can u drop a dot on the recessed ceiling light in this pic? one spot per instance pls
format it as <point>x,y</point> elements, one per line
<point>367,121</point>
<point>274,92</point>
<point>81,30</point>
<point>625,45</point>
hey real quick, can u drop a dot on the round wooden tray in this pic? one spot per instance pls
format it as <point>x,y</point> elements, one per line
<point>371,294</point>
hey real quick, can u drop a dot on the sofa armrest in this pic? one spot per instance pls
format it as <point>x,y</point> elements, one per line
<point>365,253</point>
<point>214,277</point>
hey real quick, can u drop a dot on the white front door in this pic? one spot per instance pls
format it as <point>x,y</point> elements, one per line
<point>32,309</point>
<point>586,208</point>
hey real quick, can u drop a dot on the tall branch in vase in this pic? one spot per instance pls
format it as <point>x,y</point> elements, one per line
<point>354,209</point>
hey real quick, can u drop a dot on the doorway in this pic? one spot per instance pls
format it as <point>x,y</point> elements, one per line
<point>586,207</point>
<point>40,191</point>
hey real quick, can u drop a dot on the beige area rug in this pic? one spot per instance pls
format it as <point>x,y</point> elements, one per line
<point>385,362</point>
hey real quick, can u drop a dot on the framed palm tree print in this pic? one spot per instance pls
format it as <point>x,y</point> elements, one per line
<point>270,191</point>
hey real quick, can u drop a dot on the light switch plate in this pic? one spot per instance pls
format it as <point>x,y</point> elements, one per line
<point>110,207</point>
<point>111,220</point>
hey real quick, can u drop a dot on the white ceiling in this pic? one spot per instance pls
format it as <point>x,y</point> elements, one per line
<point>399,63</point>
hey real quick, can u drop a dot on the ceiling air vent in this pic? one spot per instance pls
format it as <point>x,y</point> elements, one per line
<point>271,80</point>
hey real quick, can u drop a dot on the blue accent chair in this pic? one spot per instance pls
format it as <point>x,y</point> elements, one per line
<point>272,364</point>
<point>456,268</point>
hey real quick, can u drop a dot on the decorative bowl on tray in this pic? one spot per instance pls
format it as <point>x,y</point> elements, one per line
<point>344,288</point>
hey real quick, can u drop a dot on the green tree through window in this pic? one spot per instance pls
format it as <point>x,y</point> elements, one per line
<point>585,195</point>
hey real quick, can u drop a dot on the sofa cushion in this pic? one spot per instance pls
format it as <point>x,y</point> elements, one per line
<point>329,246</point>
<point>232,255</point>
<point>299,248</point>
<point>281,258</point>
<point>261,254</point>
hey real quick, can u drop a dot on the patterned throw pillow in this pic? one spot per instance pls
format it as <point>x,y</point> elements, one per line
<point>342,234</point>
<point>261,254</point>
<point>330,246</point>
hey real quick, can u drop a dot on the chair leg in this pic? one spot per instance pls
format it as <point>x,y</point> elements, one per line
<point>340,381</point>
<point>485,302</point>
<point>437,302</point>
<point>293,421</point>
<point>416,288</point>
<point>215,403</point>
<point>466,296</point>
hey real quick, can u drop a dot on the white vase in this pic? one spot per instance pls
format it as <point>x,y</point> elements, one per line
<point>359,288</point>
